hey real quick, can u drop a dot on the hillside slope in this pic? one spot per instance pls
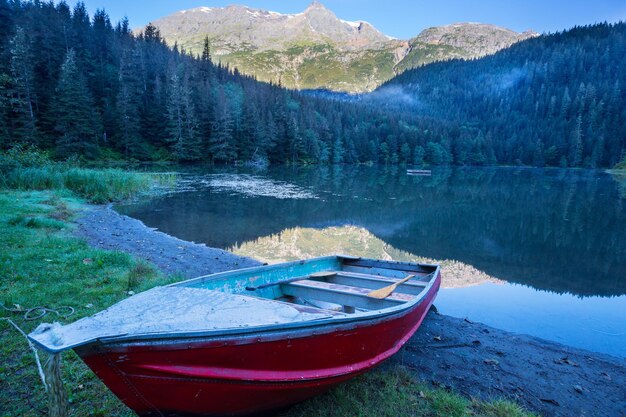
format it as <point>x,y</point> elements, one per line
<point>555,100</point>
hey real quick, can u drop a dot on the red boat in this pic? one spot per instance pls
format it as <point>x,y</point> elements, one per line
<point>252,340</point>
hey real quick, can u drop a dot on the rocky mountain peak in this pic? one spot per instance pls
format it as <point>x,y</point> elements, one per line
<point>316,5</point>
<point>316,49</point>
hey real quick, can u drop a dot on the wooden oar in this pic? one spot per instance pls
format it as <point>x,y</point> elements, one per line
<point>389,289</point>
<point>287,281</point>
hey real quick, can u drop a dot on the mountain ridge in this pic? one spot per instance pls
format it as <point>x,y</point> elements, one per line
<point>315,49</point>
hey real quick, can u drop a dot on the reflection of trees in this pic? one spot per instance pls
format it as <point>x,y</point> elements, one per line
<point>620,177</point>
<point>561,230</point>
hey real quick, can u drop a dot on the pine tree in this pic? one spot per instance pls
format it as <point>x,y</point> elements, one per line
<point>338,151</point>
<point>183,125</point>
<point>23,103</point>
<point>77,124</point>
<point>206,50</point>
<point>418,156</point>
<point>221,144</point>
<point>576,144</point>
<point>128,106</point>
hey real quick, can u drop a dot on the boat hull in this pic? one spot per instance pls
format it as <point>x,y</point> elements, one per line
<point>248,374</point>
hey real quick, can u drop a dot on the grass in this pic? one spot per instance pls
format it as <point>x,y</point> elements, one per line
<point>42,264</point>
<point>394,392</point>
<point>28,169</point>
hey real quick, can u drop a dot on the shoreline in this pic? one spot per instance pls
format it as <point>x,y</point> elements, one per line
<point>470,358</point>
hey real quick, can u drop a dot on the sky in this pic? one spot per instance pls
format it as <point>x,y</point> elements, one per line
<point>402,19</point>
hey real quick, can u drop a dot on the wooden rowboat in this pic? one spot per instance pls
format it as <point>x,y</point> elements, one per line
<point>251,340</point>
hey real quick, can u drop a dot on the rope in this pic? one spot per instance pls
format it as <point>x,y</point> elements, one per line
<point>38,312</point>
<point>32,347</point>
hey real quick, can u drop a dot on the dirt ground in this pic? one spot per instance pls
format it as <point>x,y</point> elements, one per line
<point>104,228</point>
<point>469,358</point>
<point>545,377</point>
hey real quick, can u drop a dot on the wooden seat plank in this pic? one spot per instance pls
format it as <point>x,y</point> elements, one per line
<point>374,282</point>
<point>342,294</point>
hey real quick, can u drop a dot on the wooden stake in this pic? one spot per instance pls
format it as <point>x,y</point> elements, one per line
<point>57,397</point>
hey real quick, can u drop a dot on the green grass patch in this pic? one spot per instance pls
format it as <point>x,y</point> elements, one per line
<point>41,264</point>
<point>394,392</point>
<point>28,169</point>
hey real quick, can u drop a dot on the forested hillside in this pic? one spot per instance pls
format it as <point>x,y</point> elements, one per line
<point>555,100</point>
<point>79,85</point>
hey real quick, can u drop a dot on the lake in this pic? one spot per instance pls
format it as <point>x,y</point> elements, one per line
<point>555,239</point>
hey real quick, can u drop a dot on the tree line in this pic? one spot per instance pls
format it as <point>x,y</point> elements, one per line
<point>556,100</point>
<point>79,85</point>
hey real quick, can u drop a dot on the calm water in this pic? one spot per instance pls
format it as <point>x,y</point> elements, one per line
<point>558,237</point>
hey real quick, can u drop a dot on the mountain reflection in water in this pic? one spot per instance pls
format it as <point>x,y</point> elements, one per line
<point>552,229</point>
<point>303,243</point>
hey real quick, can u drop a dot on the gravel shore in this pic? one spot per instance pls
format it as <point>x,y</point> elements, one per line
<point>470,358</point>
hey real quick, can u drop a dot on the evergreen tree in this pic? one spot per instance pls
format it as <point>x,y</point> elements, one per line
<point>206,50</point>
<point>183,126</point>
<point>129,138</point>
<point>78,124</point>
<point>24,98</point>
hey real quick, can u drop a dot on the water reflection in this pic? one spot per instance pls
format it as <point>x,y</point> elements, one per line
<point>594,323</point>
<point>303,243</point>
<point>558,230</point>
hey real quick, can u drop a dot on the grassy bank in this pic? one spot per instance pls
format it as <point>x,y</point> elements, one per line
<point>394,392</point>
<point>41,264</point>
<point>29,169</point>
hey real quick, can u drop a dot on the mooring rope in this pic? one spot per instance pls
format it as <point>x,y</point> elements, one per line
<point>35,313</point>
<point>33,348</point>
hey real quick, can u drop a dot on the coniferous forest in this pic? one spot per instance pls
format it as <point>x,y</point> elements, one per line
<point>81,85</point>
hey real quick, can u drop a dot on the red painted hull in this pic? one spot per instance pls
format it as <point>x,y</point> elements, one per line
<point>248,374</point>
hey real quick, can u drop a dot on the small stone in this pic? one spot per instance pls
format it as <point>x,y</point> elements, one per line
<point>578,389</point>
<point>491,361</point>
<point>438,338</point>
<point>89,305</point>
<point>131,292</point>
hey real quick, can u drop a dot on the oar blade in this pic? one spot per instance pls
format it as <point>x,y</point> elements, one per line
<point>388,290</point>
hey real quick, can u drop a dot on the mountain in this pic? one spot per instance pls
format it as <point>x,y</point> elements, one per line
<point>315,49</point>
<point>459,40</point>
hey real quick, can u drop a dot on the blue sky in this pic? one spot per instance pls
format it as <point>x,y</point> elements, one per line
<point>401,18</point>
